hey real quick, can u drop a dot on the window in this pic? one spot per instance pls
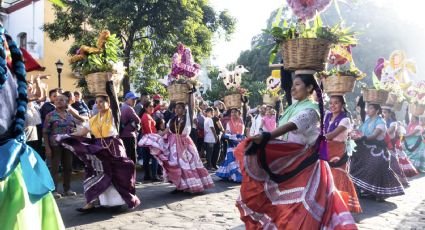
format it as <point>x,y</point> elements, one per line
<point>22,37</point>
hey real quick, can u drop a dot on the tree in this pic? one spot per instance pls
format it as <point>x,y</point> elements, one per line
<point>149,30</point>
<point>381,29</point>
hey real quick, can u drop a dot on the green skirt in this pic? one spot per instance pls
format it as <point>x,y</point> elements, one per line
<point>18,213</point>
<point>417,157</point>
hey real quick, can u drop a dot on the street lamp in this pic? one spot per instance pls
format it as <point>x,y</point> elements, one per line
<point>201,90</point>
<point>59,66</point>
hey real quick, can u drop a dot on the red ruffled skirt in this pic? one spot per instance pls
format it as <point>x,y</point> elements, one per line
<point>342,181</point>
<point>308,200</point>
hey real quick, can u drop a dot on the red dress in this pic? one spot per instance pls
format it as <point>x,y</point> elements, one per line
<point>342,181</point>
<point>306,200</point>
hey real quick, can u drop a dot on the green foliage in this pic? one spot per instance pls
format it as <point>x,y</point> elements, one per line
<point>217,86</point>
<point>269,92</point>
<point>149,30</point>
<point>344,71</point>
<point>293,30</point>
<point>103,61</point>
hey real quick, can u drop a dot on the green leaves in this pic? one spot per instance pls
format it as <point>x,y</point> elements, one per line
<point>148,30</point>
<point>336,34</point>
<point>59,3</point>
<point>101,62</point>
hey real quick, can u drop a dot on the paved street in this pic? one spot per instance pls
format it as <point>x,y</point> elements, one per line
<point>215,209</point>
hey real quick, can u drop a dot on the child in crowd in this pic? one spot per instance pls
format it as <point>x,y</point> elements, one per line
<point>268,122</point>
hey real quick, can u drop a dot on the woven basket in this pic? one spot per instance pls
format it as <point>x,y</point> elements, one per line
<point>338,85</point>
<point>233,101</point>
<point>416,110</point>
<point>269,100</point>
<point>375,96</point>
<point>96,82</point>
<point>178,92</point>
<point>398,106</point>
<point>392,99</point>
<point>305,53</point>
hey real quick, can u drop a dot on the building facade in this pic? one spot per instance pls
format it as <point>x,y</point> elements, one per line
<point>23,20</point>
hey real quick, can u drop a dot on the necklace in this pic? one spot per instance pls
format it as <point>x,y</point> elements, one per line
<point>177,125</point>
<point>99,126</point>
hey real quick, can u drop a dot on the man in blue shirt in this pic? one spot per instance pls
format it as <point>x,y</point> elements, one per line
<point>80,105</point>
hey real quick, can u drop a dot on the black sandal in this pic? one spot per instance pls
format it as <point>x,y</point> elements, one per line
<point>86,210</point>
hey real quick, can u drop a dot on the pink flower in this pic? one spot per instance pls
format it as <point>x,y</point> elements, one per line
<point>306,9</point>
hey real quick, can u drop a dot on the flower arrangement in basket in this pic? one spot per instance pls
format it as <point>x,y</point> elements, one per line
<point>374,95</point>
<point>270,97</point>
<point>232,81</point>
<point>306,46</point>
<point>396,95</point>
<point>338,81</point>
<point>182,79</point>
<point>233,97</point>
<point>99,62</point>
<point>416,98</point>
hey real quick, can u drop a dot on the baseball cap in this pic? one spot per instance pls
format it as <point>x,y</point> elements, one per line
<point>130,95</point>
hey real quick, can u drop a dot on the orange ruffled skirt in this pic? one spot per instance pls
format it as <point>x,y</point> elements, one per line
<point>342,181</point>
<point>308,200</point>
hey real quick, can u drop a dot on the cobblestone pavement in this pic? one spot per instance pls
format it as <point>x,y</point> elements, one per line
<point>215,209</point>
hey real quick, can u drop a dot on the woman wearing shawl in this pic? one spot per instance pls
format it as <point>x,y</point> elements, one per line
<point>285,185</point>
<point>370,164</point>
<point>110,175</point>
<point>337,126</point>
<point>177,154</point>
<point>26,201</point>
<point>413,143</point>
<point>230,169</point>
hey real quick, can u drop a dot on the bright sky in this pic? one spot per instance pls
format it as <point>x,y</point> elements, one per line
<point>253,14</point>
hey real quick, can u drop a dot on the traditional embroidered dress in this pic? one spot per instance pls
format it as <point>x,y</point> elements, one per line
<point>370,164</point>
<point>415,147</point>
<point>285,185</point>
<point>338,158</point>
<point>230,168</point>
<point>110,175</point>
<point>405,164</point>
<point>26,201</point>
<point>178,156</point>
<point>391,140</point>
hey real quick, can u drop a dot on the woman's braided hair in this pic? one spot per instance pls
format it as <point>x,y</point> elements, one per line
<point>309,80</point>
<point>18,68</point>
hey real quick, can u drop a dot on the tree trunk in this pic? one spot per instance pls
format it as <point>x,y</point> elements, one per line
<point>127,59</point>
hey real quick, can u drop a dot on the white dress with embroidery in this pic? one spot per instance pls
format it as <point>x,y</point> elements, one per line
<point>307,131</point>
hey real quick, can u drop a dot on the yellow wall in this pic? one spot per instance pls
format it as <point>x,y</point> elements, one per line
<point>54,51</point>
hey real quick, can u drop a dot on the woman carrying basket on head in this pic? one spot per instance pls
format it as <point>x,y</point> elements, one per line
<point>230,168</point>
<point>370,164</point>
<point>177,154</point>
<point>110,175</point>
<point>337,127</point>
<point>285,185</point>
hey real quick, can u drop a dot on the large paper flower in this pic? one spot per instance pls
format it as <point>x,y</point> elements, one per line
<point>306,9</point>
<point>183,63</point>
<point>398,67</point>
<point>340,55</point>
